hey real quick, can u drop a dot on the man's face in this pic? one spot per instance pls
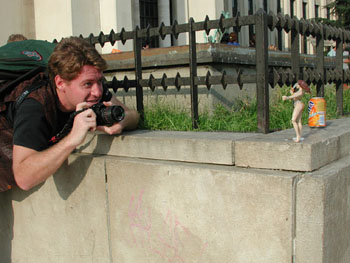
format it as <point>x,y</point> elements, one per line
<point>86,87</point>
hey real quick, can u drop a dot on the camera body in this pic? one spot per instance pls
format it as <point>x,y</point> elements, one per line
<point>105,116</point>
<point>108,115</point>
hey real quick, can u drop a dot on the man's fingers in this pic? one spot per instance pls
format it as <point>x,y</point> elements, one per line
<point>90,113</point>
<point>82,105</point>
<point>107,103</point>
<point>115,129</point>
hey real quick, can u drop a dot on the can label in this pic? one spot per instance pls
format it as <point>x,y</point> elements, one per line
<point>317,112</point>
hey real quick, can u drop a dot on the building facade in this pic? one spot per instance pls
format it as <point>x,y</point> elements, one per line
<point>46,19</point>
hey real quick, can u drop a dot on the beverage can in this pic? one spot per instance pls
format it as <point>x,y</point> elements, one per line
<point>317,112</point>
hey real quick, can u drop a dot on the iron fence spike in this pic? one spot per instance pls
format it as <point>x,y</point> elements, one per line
<point>122,35</point>
<point>174,29</point>
<point>207,80</point>
<point>160,30</point>
<point>206,26</point>
<point>101,39</point>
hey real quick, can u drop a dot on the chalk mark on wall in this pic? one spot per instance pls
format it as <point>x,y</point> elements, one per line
<point>164,236</point>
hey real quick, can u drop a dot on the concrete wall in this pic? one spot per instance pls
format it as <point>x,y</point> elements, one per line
<point>148,196</point>
<point>17,17</point>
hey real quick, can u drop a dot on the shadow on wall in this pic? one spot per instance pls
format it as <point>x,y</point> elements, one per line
<point>65,186</point>
<point>7,219</point>
<point>6,226</point>
<point>66,183</point>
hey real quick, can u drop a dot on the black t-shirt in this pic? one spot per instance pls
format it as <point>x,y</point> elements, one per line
<point>31,128</point>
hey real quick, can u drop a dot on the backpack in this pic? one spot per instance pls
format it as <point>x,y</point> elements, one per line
<point>22,60</point>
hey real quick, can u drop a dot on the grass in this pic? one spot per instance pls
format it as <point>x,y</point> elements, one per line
<point>166,117</point>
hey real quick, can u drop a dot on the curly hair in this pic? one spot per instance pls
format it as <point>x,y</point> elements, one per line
<point>16,37</point>
<point>70,56</point>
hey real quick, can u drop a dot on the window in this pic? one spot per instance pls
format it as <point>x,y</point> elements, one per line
<point>234,8</point>
<point>291,8</point>
<point>279,33</point>
<point>304,10</point>
<point>250,7</point>
<point>305,16</point>
<point>317,8</point>
<point>265,5</point>
<point>149,16</point>
<point>250,12</point>
<point>328,13</point>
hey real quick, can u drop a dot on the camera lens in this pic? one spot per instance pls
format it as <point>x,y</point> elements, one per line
<point>117,113</point>
<point>111,115</point>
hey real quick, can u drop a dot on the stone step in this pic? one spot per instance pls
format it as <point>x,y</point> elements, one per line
<point>276,150</point>
<point>196,147</point>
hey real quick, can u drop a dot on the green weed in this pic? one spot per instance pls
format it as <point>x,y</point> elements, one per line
<point>244,119</point>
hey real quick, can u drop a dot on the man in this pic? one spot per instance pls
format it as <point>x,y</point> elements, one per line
<point>332,52</point>
<point>16,37</point>
<point>75,83</point>
<point>233,39</point>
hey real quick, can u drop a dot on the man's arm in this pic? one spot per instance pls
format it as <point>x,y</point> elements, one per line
<point>31,167</point>
<point>129,122</point>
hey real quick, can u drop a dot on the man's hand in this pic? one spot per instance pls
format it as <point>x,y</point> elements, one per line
<point>129,122</point>
<point>83,122</point>
<point>116,128</point>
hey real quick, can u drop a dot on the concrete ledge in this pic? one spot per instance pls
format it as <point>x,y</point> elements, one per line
<point>197,147</point>
<point>207,53</point>
<point>278,151</point>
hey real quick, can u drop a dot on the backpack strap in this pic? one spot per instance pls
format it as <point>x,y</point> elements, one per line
<point>25,93</point>
<point>28,75</point>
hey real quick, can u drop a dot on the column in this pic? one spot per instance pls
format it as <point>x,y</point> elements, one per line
<point>124,20</point>
<point>181,15</point>
<point>164,16</point>
<point>53,25</point>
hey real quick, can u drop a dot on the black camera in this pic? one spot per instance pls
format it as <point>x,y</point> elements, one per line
<point>107,115</point>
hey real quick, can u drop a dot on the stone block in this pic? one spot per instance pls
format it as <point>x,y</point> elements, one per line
<point>64,219</point>
<point>199,147</point>
<point>277,150</point>
<point>170,212</point>
<point>323,214</point>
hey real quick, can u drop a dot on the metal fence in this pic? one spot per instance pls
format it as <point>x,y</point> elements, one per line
<point>266,74</point>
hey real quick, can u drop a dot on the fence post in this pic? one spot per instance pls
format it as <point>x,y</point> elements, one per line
<point>138,73</point>
<point>320,62</point>
<point>339,68</point>
<point>193,74</point>
<point>262,71</point>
